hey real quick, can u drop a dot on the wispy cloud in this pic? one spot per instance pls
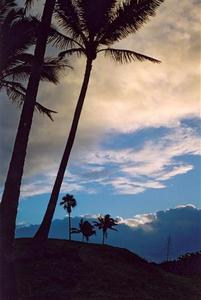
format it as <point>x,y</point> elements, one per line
<point>133,171</point>
<point>127,170</point>
<point>41,187</point>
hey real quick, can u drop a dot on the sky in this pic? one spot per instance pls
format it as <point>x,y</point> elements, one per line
<point>138,144</point>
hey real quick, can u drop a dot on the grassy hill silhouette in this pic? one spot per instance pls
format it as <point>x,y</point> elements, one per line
<point>188,264</point>
<point>74,270</point>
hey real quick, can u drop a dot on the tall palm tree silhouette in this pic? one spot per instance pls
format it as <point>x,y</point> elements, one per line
<point>85,228</point>
<point>11,192</point>
<point>68,203</point>
<point>93,26</point>
<point>104,223</point>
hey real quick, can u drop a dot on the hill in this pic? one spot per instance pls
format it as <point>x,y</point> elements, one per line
<point>148,240</point>
<point>79,271</point>
<point>188,264</point>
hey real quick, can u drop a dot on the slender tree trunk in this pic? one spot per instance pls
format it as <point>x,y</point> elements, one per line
<point>10,197</point>
<point>103,240</point>
<point>69,227</point>
<point>43,231</point>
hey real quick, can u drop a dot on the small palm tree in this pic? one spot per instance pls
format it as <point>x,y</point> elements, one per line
<point>86,228</point>
<point>68,203</point>
<point>104,223</point>
<point>91,28</point>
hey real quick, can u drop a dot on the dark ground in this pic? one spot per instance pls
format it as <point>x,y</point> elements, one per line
<point>74,270</point>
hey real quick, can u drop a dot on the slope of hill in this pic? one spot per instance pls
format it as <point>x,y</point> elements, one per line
<point>147,240</point>
<point>188,264</point>
<point>78,271</point>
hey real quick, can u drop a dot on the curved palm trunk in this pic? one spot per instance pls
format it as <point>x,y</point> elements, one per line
<point>43,231</point>
<point>69,227</point>
<point>10,198</point>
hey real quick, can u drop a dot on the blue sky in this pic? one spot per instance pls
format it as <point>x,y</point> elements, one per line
<point>138,144</point>
<point>96,186</point>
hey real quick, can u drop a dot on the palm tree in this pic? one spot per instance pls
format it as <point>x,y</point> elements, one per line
<point>104,223</point>
<point>86,228</point>
<point>17,34</point>
<point>10,197</point>
<point>93,26</point>
<point>68,203</point>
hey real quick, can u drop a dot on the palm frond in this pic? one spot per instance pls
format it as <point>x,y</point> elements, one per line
<point>28,4</point>
<point>111,228</point>
<point>68,201</point>
<point>5,7</point>
<point>94,14</point>
<point>69,52</point>
<point>109,16</point>
<point>130,16</point>
<point>17,64</point>
<point>126,56</point>
<point>16,93</point>
<point>15,85</point>
<point>68,19</point>
<point>44,110</point>
<point>60,40</point>
<point>52,69</point>
<point>17,34</point>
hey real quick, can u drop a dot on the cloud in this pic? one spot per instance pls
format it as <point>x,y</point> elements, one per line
<point>155,218</point>
<point>34,186</point>
<point>121,99</point>
<point>187,205</point>
<point>89,216</point>
<point>138,220</point>
<point>132,171</point>
<point>127,171</point>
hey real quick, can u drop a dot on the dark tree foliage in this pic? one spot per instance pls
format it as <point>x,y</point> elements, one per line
<point>85,228</point>
<point>104,223</point>
<point>17,34</point>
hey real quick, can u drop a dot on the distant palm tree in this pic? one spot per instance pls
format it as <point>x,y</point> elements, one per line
<point>92,27</point>
<point>68,203</point>
<point>104,223</point>
<point>85,228</point>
